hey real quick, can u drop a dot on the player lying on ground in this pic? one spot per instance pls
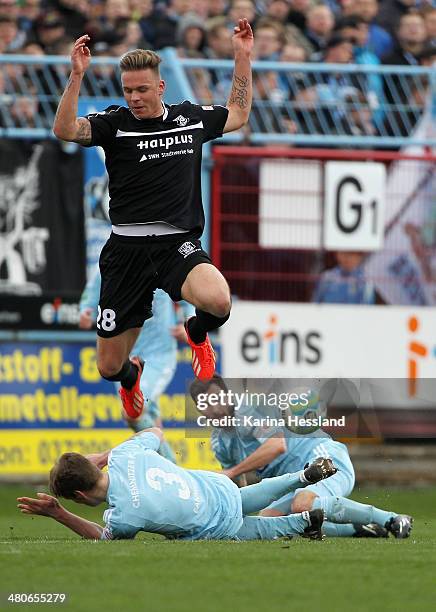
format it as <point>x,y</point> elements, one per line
<point>243,449</point>
<point>153,157</point>
<point>155,350</point>
<point>146,492</point>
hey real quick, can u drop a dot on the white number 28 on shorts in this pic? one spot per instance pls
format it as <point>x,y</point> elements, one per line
<point>106,319</point>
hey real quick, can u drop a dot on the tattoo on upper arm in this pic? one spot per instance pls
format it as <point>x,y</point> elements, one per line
<point>239,93</point>
<point>83,134</point>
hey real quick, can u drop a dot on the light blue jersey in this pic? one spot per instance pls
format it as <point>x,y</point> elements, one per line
<point>149,493</point>
<point>155,344</point>
<point>233,446</point>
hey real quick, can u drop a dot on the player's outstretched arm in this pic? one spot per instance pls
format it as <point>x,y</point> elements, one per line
<point>47,505</point>
<point>239,102</point>
<point>67,126</point>
<point>262,456</point>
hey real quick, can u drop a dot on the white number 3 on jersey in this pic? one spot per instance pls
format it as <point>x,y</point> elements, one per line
<point>154,475</point>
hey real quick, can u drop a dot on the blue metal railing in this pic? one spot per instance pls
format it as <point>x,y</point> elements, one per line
<point>300,104</point>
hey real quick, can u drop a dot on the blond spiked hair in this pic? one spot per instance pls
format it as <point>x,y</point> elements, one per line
<point>140,59</point>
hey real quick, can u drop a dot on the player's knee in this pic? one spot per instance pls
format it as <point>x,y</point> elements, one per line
<point>108,368</point>
<point>221,304</point>
<point>302,502</point>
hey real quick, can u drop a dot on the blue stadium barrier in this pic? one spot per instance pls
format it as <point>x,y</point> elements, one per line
<point>299,104</point>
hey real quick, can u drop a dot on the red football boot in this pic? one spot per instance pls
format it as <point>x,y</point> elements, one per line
<point>133,399</point>
<point>203,357</point>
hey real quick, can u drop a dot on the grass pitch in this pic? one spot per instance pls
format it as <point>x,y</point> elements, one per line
<point>149,573</point>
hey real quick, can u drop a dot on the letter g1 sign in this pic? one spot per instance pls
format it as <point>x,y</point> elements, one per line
<point>354,206</point>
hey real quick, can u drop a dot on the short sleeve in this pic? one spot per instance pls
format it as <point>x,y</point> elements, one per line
<point>104,126</point>
<point>214,119</point>
<point>113,531</point>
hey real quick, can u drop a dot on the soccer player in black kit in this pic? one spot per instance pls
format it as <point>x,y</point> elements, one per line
<point>153,159</point>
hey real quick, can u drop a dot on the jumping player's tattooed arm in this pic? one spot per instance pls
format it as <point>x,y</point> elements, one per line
<point>239,102</point>
<point>67,126</point>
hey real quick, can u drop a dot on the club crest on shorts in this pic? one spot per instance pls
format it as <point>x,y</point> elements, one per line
<point>181,121</point>
<point>187,248</point>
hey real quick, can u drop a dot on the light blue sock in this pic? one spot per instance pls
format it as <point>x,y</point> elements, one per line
<point>258,496</point>
<point>336,530</point>
<point>271,527</point>
<point>343,510</point>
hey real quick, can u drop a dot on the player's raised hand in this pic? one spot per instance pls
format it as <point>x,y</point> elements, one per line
<point>243,38</point>
<point>45,505</point>
<point>80,55</point>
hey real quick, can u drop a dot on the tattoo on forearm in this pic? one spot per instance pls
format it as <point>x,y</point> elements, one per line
<point>83,134</point>
<point>239,93</point>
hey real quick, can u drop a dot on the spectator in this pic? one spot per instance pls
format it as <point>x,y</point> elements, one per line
<point>30,10</point>
<point>201,84</point>
<point>380,41</point>
<point>390,13</point>
<point>411,36</point>
<point>9,8</point>
<point>402,119</point>
<point>355,29</point>
<point>358,118</point>
<point>331,88</point>
<point>128,37</point>
<point>201,8</point>
<point>429,15</point>
<point>268,40</point>
<point>142,12</point>
<point>219,42</point>
<point>217,8</point>
<point>347,9</point>
<point>278,10</point>
<point>219,46</point>
<point>106,27</point>
<point>427,57</point>
<point>268,100</point>
<point>401,89</point>
<point>164,23</point>
<point>24,112</point>
<point>345,283</point>
<point>191,36</point>
<point>297,15</point>
<point>50,30</point>
<point>240,9</point>
<point>320,23</point>
<point>281,12</point>
<point>293,53</point>
<point>11,38</point>
<point>75,14</point>
<point>103,80</point>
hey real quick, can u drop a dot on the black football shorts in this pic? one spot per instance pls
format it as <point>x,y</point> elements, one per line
<point>132,268</point>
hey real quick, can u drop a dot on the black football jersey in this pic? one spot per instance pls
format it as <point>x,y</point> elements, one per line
<point>154,165</point>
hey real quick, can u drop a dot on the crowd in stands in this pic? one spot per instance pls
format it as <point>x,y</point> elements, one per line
<point>389,31</point>
<point>362,32</point>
